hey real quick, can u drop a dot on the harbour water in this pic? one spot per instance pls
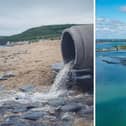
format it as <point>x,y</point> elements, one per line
<point>111,85</point>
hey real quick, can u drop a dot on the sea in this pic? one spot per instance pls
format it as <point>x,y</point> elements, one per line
<point>111,85</point>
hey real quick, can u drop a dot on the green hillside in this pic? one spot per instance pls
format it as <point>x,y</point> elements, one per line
<point>43,32</point>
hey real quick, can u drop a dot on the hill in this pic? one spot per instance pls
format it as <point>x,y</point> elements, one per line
<point>42,32</point>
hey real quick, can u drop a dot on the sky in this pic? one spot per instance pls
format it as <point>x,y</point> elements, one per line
<point>18,15</point>
<point>111,19</point>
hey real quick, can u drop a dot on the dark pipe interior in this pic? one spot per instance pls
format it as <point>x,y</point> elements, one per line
<point>68,48</point>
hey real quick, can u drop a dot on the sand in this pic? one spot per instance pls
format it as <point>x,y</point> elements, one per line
<point>31,63</point>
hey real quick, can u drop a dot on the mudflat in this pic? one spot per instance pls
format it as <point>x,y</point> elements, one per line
<point>30,63</point>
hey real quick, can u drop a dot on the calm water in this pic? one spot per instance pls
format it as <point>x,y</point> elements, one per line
<point>111,86</point>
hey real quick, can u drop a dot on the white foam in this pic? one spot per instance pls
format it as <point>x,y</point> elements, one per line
<point>61,79</point>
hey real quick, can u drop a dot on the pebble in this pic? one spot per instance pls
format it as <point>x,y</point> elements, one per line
<point>2,87</point>
<point>27,88</point>
<point>82,122</point>
<point>57,102</point>
<point>71,107</point>
<point>86,112</point>
<point>51,111</point>
<point>50,117</point>
<point>3,78</point>
<point>7,75</point>
<point>67,116</point>
<point>64,111</point>
<point>33,115</point>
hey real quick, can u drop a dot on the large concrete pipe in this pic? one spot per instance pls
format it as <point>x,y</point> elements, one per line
<point>77,45</point>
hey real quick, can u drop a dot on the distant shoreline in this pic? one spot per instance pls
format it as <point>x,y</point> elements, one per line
<point>47,32</point>
<point>110,40</point>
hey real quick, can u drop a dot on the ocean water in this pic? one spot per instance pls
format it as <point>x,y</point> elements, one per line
<point>111,86</point>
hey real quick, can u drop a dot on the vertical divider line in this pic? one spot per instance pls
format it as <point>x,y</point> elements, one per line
<point>94,77</point>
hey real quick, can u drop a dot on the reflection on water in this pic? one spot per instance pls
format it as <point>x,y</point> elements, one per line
<point>111,86</point>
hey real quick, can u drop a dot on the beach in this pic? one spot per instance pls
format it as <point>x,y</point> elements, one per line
<point>27,96</point>
<point>30,63</point>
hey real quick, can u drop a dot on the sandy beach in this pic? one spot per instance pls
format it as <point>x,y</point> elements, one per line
<point>31,63</point>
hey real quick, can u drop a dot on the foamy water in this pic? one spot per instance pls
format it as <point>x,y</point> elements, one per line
<point>61,79</point>
<point>59,86</point>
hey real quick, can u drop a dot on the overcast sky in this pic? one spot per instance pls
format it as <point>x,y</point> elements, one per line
<point>19,15</point>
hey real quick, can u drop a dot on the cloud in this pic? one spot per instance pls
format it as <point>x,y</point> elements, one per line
<point>123,9</point>
<point>20,15</point>
<point>108,28</point>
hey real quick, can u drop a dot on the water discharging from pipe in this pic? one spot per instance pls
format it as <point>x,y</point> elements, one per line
<point>58,88</point>
<point>59,85</point>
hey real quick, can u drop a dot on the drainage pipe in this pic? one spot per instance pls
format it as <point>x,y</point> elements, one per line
<point>77,46</point>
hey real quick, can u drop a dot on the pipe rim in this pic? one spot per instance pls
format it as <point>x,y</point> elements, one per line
<point>68,31</point>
